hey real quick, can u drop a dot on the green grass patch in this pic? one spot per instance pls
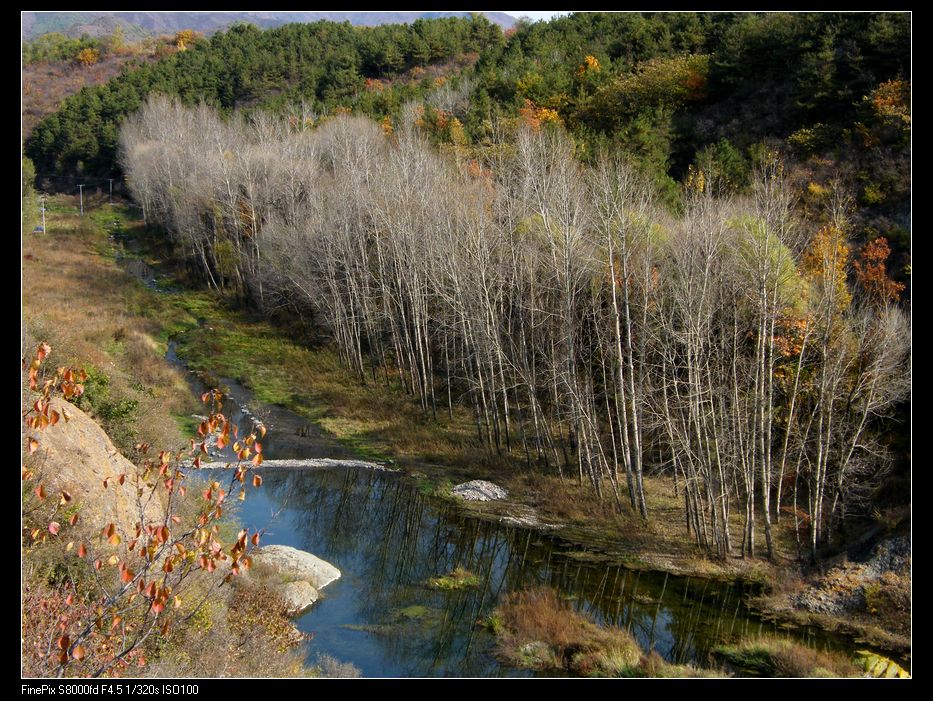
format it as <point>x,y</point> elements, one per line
<point>460,578</point>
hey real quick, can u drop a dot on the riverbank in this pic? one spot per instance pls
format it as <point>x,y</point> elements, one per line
<point>283,365</point>
<point>79,300</point>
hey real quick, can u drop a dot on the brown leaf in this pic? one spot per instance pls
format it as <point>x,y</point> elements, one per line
<point>78,653</point>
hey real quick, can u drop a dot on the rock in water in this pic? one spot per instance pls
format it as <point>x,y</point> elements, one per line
<point>479,490</point>
<point>298,595</point>
<point>296,565</point>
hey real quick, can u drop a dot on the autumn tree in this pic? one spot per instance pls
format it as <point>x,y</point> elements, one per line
<point>140,580</point>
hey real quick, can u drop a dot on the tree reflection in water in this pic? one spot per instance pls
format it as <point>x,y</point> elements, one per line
<point>389,539</point>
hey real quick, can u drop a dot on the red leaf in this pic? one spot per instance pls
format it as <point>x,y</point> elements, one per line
<point>257,480</point>
<point>33,445</point>
<point>82,551</point>
<point>54,527</point>
<point>73,520</point>
<point>40,491</point>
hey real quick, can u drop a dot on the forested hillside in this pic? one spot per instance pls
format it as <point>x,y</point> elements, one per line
<point>672,89</point>
<point>322,66</point>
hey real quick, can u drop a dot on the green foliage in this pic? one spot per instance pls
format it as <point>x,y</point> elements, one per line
<point>323,63</point>
<point>56,47</point>
<point>724,166</point>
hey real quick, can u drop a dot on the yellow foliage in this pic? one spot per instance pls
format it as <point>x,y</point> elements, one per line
<point>184,38</point>
<point>825,264</point>
<point>590,65</point>
<point>695,179</point>
<point>816,190</point>
<point>88,56</point>
<point>535,116</point>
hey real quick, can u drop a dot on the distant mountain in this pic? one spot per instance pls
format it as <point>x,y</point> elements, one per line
<point>97,23</point>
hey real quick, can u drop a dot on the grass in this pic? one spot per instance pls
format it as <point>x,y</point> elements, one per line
<point>536,629</point>
<point>460,578</point>
<point>86,306</point>
<point>775,657</point>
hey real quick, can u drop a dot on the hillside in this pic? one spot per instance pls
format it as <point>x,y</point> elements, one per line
<point>672,90</point>
<point>74,24</point>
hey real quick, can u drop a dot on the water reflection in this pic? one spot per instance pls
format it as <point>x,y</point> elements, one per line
<point>388,540</point>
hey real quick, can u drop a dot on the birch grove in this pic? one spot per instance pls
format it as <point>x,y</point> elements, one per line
<point>589,331</point>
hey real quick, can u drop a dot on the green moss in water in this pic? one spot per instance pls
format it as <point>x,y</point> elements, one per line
<point>460,578</point>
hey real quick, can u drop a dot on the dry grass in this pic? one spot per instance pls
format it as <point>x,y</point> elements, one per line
<point>777,657</point>
<point>536,629</point>
<point>80,302</point>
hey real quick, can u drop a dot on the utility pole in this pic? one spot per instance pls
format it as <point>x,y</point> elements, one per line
<point>42,202</point>
<point>111,191</point>
<point>81,191</point>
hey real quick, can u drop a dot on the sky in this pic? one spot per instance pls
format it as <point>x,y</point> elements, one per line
<point>544,14</point>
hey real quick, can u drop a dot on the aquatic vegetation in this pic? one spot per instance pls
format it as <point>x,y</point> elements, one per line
<point>460,578</point>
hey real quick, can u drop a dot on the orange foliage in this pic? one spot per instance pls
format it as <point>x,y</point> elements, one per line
<point>535,116</point>
<point>871,273</point>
